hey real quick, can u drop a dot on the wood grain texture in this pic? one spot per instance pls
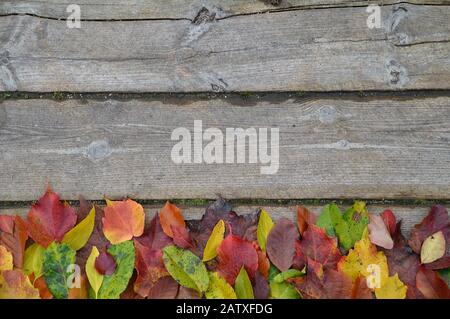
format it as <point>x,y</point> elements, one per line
<point>173,9</point>
<point>308,50</point>
<point>377,148</point>
<point>409,215</point>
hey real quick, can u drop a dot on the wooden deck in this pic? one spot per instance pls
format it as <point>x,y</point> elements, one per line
<point>362,113</point>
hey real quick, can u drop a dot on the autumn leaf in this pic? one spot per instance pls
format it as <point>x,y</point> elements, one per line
<point>389,220</point>
<point>364,260</point>
<point>433,248</point>
<point>219,288</point>
<point>261,287</point>
<point>233,253</point>
<point>81,291</point>
<point>181,237</point>
<point>288,274</point>
<point>169,216</point>
<point>263,263</point>
<point>165,288</point>
<point>113,285</point>
<point>379,233</point>
<point>78,236</point>
<point>436,220</point>
<point>150,268</point>
<point>41,286</point>
<point>283,234</point>
<point>123,220</point>
<point>14,284</point>
<point>186,268</point>
<point>57,259</point>
<point>34,260</point>
<point>317,246</point>
<point>6,259</point>
<point>354,221</point>
<point>13,236</point>
<point>265,225</point>
<point>214,241</point>
<point>105,263</point>
<point>304,218</point>
<point>283,290</point>
<point>431,285</point>
<point>94,277</point>
<point>329,217</point>
<point>243,285</point>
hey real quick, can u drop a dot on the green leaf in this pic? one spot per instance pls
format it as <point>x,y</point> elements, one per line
<point>214,241</point>
<point>283,290</point>
<point>94,277</point>
<point>78,236</point>
<point>33,260</point>
<point>273,271</point>
<point>57,259</point>
<point>445,273</point>
<point>219,288</point>
<point>186,268</point>
<point>331,215</point>
<point>113,285</point>
<point>285,275</point>
<point>243,285</point>
<point>265,225</point>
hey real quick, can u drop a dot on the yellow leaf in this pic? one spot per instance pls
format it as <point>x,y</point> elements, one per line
<point>78,236</point>
<point>94,277</point>
<point>392,288</point>
<point>265,225</point>
<point>33,260</point>
<point>365,260</point>
<point>214,241</point>
<point>15,284</point>
<point>6,259</point>
<point>219,288</point>
<point>433,248</point>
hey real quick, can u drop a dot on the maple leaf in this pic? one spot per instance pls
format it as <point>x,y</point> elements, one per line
<point>379,233</point>
<point>304,218</point>
<point>171,216</point>
<point>317,246</point>
<point>283,234</point>
<point>49,219</point>
<point>13,236</point>
<point>233,253</point>
<point>150,268</point>
<point>123,220</point>
<point>324,284</point>
<point>14,284</point>
<point>431,285</point>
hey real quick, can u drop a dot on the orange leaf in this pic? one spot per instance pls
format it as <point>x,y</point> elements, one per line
<point>123,220</point>
<point>171,216</point>
<point>41,285</point>
<point>82,292</point>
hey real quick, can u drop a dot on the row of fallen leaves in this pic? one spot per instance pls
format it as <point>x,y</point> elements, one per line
<point>224,255</point>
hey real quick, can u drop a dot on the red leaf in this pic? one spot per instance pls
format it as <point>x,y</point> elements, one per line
<point>389,220</point>
<point>331,285</point>
<point>317,246</point>
<point>431,285</point>
<point>49,219</point>
<point>304,218</point>
<point>164,288</point>
<point>171,216</point>
<point>360,289</point>
<point>154,236</point>
<point>260,287</point>
<point>281,244</point>
<point>233,253</point>
<point>105,263</point>
<point>181,237</point>
<point>263,263</point>
<point>436,220</point>
<point>187,293</point>
<point>13,236</point>
<point>150,268</point>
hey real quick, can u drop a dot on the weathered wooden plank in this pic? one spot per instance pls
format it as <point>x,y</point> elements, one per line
<point>409,215</point>
<point>385,147</point>
<point>173,9</point>
<point>308,50</point>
